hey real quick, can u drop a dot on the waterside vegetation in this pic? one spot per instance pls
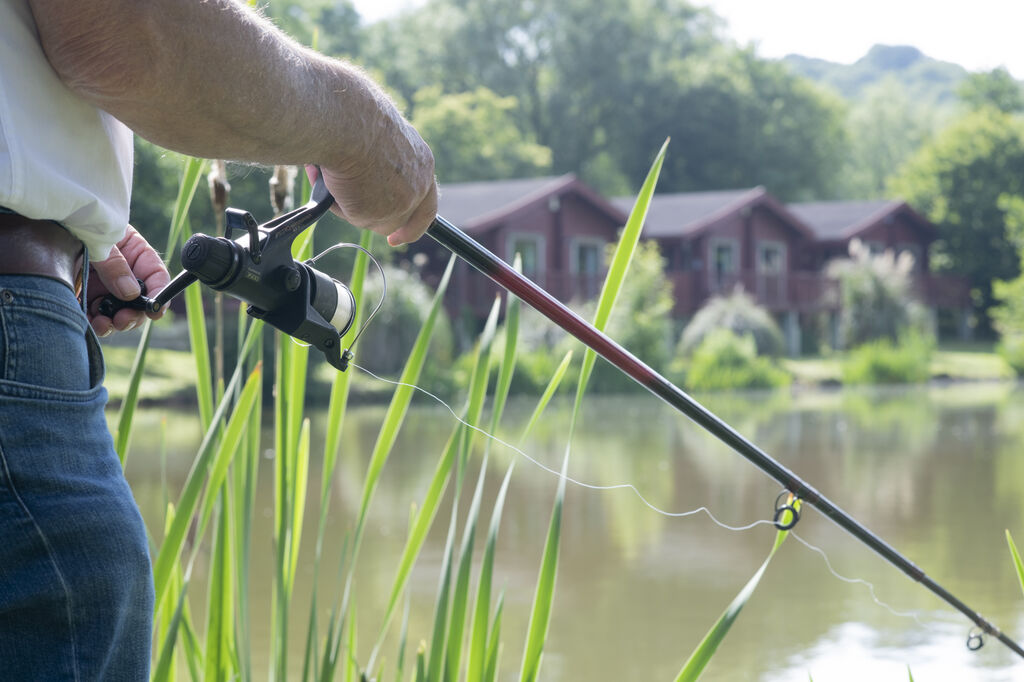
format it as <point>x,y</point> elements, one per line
<point>212,515</point>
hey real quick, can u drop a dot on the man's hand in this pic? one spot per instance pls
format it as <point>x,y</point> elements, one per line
<point>131,260</point>
<point>393,191</point>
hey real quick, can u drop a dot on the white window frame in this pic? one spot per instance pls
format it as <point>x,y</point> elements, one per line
<point>539,241</point>
<point>574,255</point>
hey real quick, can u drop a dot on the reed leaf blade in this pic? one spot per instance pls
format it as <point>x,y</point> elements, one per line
<point>549,392</point>
<point>540,615</point>
<point>1017,563</point>
<point>170,550</point>
<point>220,660</point>
<point>621,259</point>
<point>126,415</point>
<point>396,411</point>
<point>476,665</point>
<point>702,655</point>
<point>494,642</point>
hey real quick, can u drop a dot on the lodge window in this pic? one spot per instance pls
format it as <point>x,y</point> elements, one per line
<point>724,257</point>
<point>771,267</point>
<point>771,258</point>
<point>530,248</point>
<point>875,248</point>
<point>586,256</point>
<point>586,259</point>
<point>684,258</point>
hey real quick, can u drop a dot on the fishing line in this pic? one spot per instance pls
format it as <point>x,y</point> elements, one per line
<point>383,281</point>
<point>376,308</point>
<point>858,581</point>
<point>645,501</point>
<point>589,486</point>
<point>555,472</point>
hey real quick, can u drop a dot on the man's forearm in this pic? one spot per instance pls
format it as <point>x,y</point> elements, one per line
<point>211,78</point>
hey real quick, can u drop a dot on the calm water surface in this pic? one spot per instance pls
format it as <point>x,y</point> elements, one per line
<point>938,473</point>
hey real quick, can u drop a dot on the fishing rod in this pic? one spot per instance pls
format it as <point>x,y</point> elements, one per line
<point>459,243</point>
<point>307,304</point>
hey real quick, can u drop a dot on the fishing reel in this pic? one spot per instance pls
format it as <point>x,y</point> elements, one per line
<point>258,268</point>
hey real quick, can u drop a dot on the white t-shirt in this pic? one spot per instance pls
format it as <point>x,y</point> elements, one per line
<point>60,158</point>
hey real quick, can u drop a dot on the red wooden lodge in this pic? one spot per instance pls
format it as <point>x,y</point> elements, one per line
<point>711,242</point>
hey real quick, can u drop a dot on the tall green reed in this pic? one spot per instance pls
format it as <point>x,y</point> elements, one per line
<point>465,641</point>
<point>702,655</point>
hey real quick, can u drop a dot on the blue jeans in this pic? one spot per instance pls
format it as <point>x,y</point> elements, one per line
<point>76,587</point>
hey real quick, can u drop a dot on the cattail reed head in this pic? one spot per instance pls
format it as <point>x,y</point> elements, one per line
<point>282,188</point>
<point>220,189</point>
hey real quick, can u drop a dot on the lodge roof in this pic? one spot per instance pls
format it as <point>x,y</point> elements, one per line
<point>844,219</point>
<point>476,206</point>
<point>687,213</point>
<point>672,215</point>
<point>841,220</point>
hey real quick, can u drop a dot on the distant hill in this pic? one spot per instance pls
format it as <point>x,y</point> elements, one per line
<point>925,80</point>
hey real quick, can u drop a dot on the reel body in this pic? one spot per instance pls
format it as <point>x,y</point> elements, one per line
<point>258,268</point>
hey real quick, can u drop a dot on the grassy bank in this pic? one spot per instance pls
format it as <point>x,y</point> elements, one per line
<point>955,362</point>
<point>168,376</point>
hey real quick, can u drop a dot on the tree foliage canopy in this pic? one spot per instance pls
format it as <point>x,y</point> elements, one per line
<point>956,181</point>
<point>598,83</point>
<point>475,136</point>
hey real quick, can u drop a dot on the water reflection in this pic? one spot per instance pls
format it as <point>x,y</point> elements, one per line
<point>938,473</point>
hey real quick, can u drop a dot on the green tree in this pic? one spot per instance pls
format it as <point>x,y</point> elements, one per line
<point>153,190</point>
<point>1008,316</point>
<point>740,121</point>
<point>335,23</point>
<point>885,128</point>
<point>956,180</point>
<point>601,84</point>
<point>475,136</point>
<point>996,88</point>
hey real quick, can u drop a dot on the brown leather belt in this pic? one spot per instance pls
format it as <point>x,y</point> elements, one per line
<point>40,247</point>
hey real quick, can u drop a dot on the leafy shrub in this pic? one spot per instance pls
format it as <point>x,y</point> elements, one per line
<point>884,362</point>
<point>1011,349</point>
<point>389,337</point>
<point>641,321</point>
<point>724,361</point>
<point>875,298</point>
<point>741,315</point>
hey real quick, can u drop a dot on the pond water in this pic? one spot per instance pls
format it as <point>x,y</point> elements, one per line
<point>936,472</point>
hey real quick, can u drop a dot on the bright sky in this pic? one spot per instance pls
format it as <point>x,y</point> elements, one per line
<point>977,34</point>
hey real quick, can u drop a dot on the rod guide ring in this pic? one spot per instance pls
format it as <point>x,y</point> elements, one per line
<point>782,508</point>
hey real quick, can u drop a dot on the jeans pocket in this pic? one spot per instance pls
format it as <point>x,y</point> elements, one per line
<point>45,346</point>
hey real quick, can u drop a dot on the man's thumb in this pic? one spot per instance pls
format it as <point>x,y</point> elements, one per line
<point>117,276</point>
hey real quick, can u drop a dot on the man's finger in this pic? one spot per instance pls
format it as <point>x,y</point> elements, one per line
<point>418,223</point>
<point>145,263</point>
<point>117,276</point>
